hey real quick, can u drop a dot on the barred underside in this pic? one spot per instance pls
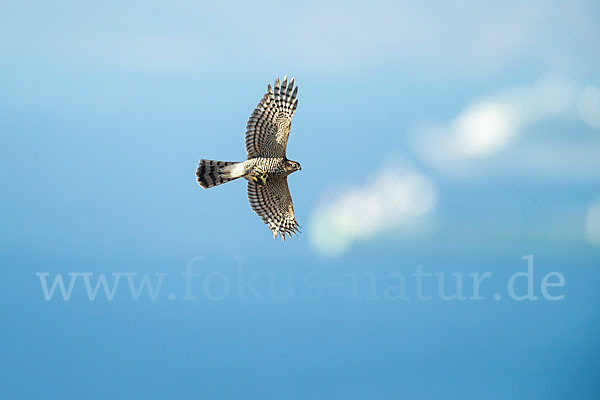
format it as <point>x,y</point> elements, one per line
<point>208,173</point>
<point>273,204</point>
<point>269,125</point>
<point>273,166</point>
<point>267,134</point>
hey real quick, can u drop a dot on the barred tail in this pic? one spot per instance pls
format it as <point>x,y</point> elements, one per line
<point>212,173</point>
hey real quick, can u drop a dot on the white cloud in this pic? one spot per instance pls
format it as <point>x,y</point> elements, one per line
<point>483,128</point>
<point>392,197</point>
<point>489,124</point>
<point>478,138</point>
<point>592,224</point>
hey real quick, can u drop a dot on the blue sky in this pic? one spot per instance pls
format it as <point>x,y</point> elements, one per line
<point>456,136</point>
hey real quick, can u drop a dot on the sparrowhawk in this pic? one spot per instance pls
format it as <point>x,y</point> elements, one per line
<point>266,167</point>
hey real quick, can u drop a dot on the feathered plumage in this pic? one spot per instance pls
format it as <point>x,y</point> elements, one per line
<point>266,167</point>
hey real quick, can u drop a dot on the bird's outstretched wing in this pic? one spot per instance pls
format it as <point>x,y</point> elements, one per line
<point>269,125</point>
<point>273,204</point>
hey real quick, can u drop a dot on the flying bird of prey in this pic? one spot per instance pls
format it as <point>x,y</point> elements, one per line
<point>266,167</point>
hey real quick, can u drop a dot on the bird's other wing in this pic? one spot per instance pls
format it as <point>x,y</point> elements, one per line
<point>273,204</point>
<point>269,125</point>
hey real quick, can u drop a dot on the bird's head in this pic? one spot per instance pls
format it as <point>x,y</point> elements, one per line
<point>291,166</point>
